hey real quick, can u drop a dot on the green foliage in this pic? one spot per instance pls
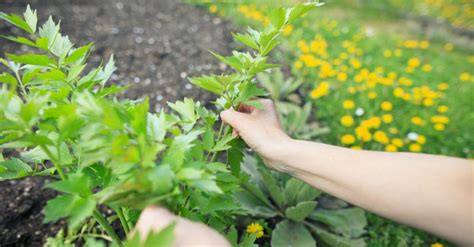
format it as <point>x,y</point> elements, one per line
<point>63,119</point>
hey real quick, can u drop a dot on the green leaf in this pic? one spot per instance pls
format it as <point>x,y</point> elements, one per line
<point>31,18</point>
<point>249,91</point>
<point>48,32</point>
<point>349,222</point>
<point>78,53</point>
<point>77,183</point>
<point>7,78</point>
<point>235,155</point>
<point>300,211</point>
<point>74,207</point>
<point>75,71</point>
<point>272,186</point>
<point>289,233</point>
<point>331,239</point>
<point>175,154</point>
<point>254,205</point>
<point>277,17</point>
<point>247,40</point>
<point>17,21</point>
<point>186,110</point>
<point>300,9</point>
<point>13,169</point>
<point>208,83</point>
<point>20,40</point>
<point>164,238</point>
<point>31,59</point>
<point>223,143</point>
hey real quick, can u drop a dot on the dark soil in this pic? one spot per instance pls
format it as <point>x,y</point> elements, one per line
<point>156,43</point>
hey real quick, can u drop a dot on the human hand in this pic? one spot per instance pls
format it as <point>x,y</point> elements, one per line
<point>261,130</point>
<point>187,233</point>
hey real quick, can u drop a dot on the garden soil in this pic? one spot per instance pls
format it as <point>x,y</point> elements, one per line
<point>157,44</point>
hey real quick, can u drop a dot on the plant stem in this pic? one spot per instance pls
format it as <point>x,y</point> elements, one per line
<point>123,220</point>
<point>51,157</point>
<point>214,154</point>
<point>107,227</point>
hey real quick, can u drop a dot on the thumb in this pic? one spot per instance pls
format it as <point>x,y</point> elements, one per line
<point>234,118</point>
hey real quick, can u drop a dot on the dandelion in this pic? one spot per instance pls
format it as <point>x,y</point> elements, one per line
<point>443,86</point>
<point>464,76</point>
<point>372,95</point>
<point>387,53</point>
<point>359,111</point>
<point>381,137</point>
<point>443,108</point>
<point>347,121</point>
<point>412,136</point>
<point>255,228</point>
<point>414,62</point>
<point>386,106</point>
<point>398,92</point>
<point>439,127</point>
<point>417,120</point>
<point>427,68</point>
<point>342,76</point>
<point>421,139</point>
<point>355,63</point>
<point>391,148</point>
<point>424,44</point>
<point>363,133</point>
<point>415,147</point>
<point>287,30</point>
<point>347,139</point>
<point>437,245</point>
<point>448,46</point>
<point>356,147</point>
<point>393,130</point>
<point>320,91</point>
<point>348,104</point>
<point>387,118</point>
<point>397,142</point>
<point>213,8</point>
<point>440,119</point>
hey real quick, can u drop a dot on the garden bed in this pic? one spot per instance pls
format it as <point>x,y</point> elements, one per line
<point>157,44</point>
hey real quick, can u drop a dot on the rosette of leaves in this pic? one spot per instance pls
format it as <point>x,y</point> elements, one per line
<point>65,123</point>
<point>300,214</point>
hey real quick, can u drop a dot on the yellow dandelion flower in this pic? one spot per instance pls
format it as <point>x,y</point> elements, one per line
<point>398,92</point>
<point>372,95</point>
<point>428,102</point>
<point>381,137</point>
<point>386,106</point>
<point>410,44</point>
<point>427,68</point>
<point>287,30</point>
<point>298,65</point>
<point>397,142</point>
<point>440,119</point>
<point>424,44</point>
<point>437,245</point>
<point>443,86</point>
<point>414,62</point>
<point>464,76</point>
<point>415,147</point>
<point>387,118</point>
<point>321,90</point>
<point>409,69</point>
<point>356,147</point>
<point>351,90</point>
<point>356,63</point>
<point>417,120</point>
<point>448,46</point>
<point>443,108</point>
<point>439,127</point>
<point>387,53</point>
<point>347,139</point>
<point>391,148</point>
<point>421,139</point>
<point>348,104</point>
<point>342,76</point>
<point>393,130</point>
<point>213,8</point>
<point>347,121</point>
<point>397,52</point>
<point>255,228</point>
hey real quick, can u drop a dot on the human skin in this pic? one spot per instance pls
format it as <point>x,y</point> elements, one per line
<point>429,192</point>
<point>186,233</point>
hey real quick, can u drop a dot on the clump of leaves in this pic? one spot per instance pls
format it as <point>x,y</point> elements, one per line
<point>66,124</point>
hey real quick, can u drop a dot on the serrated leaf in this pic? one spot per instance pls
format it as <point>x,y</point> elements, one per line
<point>163,238</point>
<point>223,143</point>
<point>186,110</point>
<point>247,40</point>
<point>300,9</point>
<point>175,154</point>
<point>17,21</point>
<point>31,59</point>
<point>74,207</point>
<point>300,211</point>
<point>78,53</point>
<point>287,233</point>
<point>14,168</point>
<point>77,183</point>
<point>235,156</point>
<point>208,83</point>
<point>74,71</point>
<point>31,18</point>
<point>277,17</point>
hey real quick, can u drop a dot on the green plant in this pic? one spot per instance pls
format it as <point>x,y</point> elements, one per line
<point>66,124</point>
<point>292,207</point>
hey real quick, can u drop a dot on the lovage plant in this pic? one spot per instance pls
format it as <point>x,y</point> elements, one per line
<point>63,121</point>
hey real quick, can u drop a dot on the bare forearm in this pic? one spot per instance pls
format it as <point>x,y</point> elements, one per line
<point>429,192</point>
